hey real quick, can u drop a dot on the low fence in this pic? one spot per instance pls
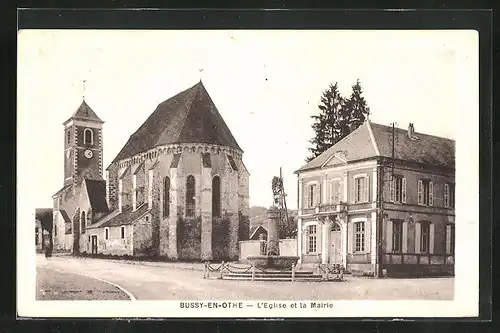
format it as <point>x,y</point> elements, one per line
<point>222,270</point>
<point>418,264</point>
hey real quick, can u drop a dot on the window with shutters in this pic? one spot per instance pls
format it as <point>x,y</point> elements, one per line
<point>359,237</point>
<point>312,195</point>
<point>398,189</point>
<point>334,191</point>
<point>397,236</point>
<point>425,192</point>
<point>449,195</point>
<point>190,196</point>
<point>311,239</point>
<point>424,237</point>
<point>361,189</point>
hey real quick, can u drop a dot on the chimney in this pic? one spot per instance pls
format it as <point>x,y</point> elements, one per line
<point>411,131</point>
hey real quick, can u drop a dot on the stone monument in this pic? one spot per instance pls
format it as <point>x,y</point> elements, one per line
<point>273,259</point>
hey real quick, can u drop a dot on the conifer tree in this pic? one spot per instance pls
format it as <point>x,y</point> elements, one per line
<point>356,107</point>
<point>325,126</point>
<point>337,117</point>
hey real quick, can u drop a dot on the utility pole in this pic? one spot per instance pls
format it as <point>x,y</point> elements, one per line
<point>380,216</point>
<point>380,197</point>
<point>283,195</point>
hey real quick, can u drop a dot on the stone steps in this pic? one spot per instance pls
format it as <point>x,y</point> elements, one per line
<point>284,275</point>
<point>241,277</point>
<point>272,273</point>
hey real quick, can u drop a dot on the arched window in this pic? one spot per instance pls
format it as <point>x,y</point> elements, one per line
<point>88,136</point>
<point>190,196</point>
<point>216,196</point>
<point>82,223</point>
<point>166,197</point>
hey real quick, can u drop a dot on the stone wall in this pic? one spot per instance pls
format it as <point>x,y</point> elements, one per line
<point>143,240</point>
<point>115,245</point>
<point>189,238</point>
<point>112,187</point>
<point>249,248</point>
<point>220,238</point>
<point>74,201</point>
<point>288,247</point>
<point>234,197</point>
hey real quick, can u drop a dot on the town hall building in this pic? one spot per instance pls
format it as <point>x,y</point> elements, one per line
<point>177,189</point>
<point>380,201</point>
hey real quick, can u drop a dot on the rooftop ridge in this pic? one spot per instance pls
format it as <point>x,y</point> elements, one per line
<point>187,117</point>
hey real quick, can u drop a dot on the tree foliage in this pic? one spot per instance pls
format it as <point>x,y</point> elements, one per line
<point>338,116</point>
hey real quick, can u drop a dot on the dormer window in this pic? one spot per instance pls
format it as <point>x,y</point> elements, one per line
<point>88,137</point>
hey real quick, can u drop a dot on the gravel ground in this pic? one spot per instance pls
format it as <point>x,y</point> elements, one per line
<point>164,282</point>
<point>55,285</point>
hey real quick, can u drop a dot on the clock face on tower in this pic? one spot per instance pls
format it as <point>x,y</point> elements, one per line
<point>88,153</point>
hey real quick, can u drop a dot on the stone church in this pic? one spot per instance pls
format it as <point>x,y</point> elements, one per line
<point>177,189</point>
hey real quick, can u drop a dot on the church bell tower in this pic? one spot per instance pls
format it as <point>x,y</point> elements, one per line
<point>83,145</point>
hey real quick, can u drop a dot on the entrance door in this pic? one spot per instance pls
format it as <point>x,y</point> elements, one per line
<point>94,244</point>
<point>335,256</point>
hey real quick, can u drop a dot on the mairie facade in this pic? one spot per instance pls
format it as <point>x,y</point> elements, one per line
<point>177,189</point>
<point>380,202</point>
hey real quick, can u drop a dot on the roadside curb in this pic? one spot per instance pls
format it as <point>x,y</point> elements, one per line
<point>151,264</point>
<point>128,293</point>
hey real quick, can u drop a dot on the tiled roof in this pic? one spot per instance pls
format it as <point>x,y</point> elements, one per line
<point>127,216</point>
<point>154,165</point>
<point>373,140</point>
<point>254,230</point>
<point>188,117</point>
<point>175,161</point>
<point>96,190</point>
<point>65,216</point>
<point>232,163</point>
<point>86,113</point>
<point>428,149</point>
<point>61,190</point>
<point>138,168</point>
<point>125,173</point>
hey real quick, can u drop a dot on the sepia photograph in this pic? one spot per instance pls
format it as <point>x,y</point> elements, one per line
<point>247,173</point>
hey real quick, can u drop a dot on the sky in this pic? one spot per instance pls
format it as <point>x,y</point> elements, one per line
<point>265,84</point>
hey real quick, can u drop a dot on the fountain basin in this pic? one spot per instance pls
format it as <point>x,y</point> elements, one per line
<point>277,262</point>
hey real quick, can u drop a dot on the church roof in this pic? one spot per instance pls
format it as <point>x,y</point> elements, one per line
<point>65,216</point>
<point>127,216</point>
<point>372,140</point>
<point>60,191</point>
<point>84,112</point>
<point>96,190</point>
<point>188,117</point>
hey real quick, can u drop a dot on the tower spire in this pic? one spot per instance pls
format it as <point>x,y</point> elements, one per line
<point>200,70</point>
<point>83,88</point>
